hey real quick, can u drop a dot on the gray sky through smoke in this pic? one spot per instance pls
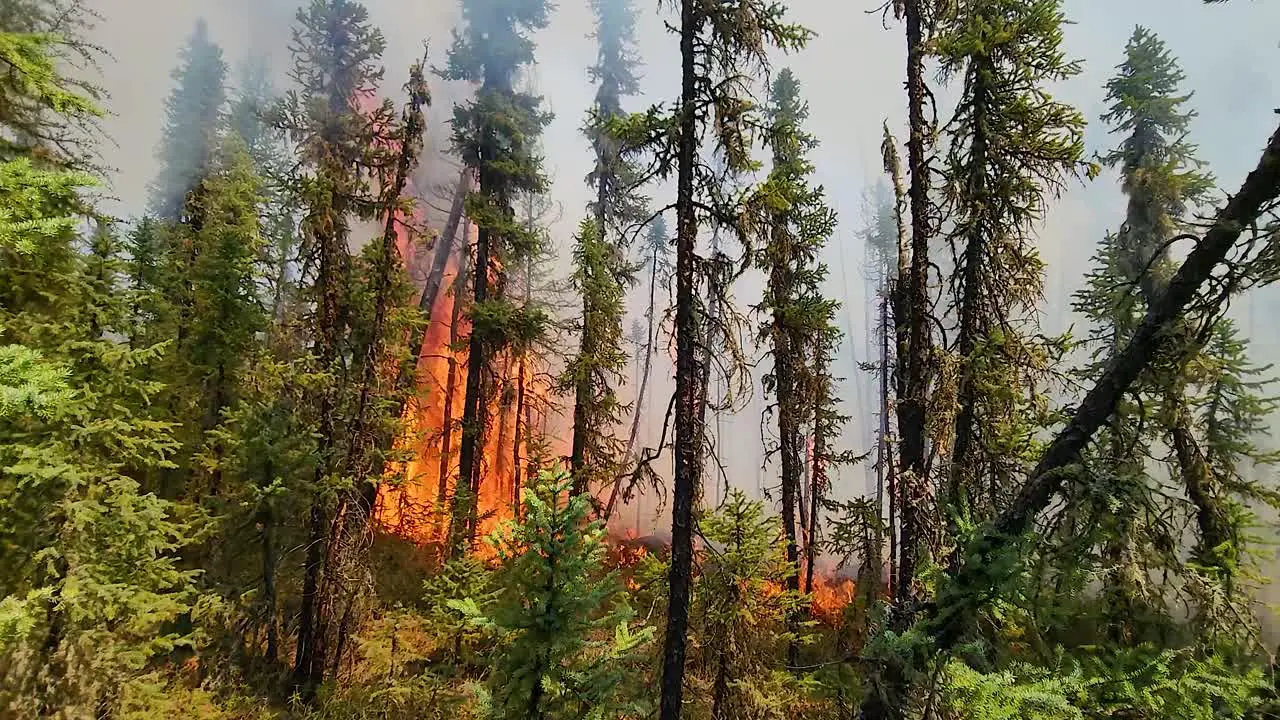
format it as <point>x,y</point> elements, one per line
<point>852,77</point>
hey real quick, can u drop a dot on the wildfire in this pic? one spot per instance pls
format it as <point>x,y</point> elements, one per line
<point>830,598</point>
<point>417,508</point>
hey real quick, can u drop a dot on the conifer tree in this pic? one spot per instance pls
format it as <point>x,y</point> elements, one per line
<point>797,223</point>
<point>194,114</point>
<point>226,312</point>
<point>744,619</point>
<point>379,320</point>
<point>89,580</point>
<point>995,555</point>
<point>595,373</point>
<point>912,312</point>
<point>720,47</point>
<point>828,425</point>
<point>555,601</point>
<point>1012,147</point>
<point>45,114</point>
<point>1173,405</point>
<point>615,208</point>
<point>495,134</point>
<point>336,51</point>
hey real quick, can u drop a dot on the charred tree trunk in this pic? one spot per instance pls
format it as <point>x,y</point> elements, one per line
<point>816,478</point>
<point>912,401</point>
<point>787,356</point>
<point>445,244</point>
<point>523,426</point>
<point>450,391</point>
<point>473,407</point>
<point>688,433</point>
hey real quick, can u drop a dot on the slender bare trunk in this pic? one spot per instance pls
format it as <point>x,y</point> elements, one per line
<point>688,433</point>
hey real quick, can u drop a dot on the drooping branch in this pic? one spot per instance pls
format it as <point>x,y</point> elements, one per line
<point>982,570</point>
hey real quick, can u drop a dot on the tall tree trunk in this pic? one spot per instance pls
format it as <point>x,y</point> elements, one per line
<point>912,401</point>
<point>473,406</point>
<point>787,351</point>
<point>523,427</point>
<point>688,434</point>
<point>897,296</point>
<point>445,244</point>
<point>450,391</point>
<point>313,624</point>
<point>962,473</point>
<point>815,500</point>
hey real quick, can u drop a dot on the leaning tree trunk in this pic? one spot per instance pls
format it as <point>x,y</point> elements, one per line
<point>985,566</point>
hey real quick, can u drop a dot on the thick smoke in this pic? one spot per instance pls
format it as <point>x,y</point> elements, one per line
<point>852,77</point>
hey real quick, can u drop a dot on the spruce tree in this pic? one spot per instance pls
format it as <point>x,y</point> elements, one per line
<point>912,306</point>
<point>597,370</point>
<point>744,618</point>
<point>226,313</point>
<point>719,48</point>
<point>51,116</point>
<point>995,556</point>
<point>336,51</point>
<point>495,133</point>
<point>89,580</point>
<point>569,638</point>
<point>1012,148</point>
<point>796,223</point>
<point>381,315</point>
<point>1178,404</point>
<point>194,114</point>
<point>615,208</point>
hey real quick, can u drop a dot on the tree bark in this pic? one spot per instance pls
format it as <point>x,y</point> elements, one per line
<point>962,472</point>
<point>473,405</point>
<point>913,398</point>
<point>688,433</point>
<point>897,301</point>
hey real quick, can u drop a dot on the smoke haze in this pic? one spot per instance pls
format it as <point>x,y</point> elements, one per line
<point>852,77</point>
